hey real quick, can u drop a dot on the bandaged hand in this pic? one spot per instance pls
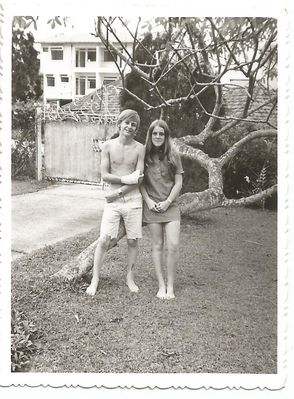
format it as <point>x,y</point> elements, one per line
<point>133,178</point>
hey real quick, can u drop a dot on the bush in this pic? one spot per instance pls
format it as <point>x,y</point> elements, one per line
<point>253,169</point>
<point>23,118</point>
<point>23,333</point>
<point>23,158</point>
<point>23,139</point>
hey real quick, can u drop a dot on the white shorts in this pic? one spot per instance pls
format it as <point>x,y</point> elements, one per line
<point>129,207</point>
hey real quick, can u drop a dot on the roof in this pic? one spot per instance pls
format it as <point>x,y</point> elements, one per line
<point>70,38</point>
<point>101,105</point>
<point>235,98</point>
<point>75,37</point>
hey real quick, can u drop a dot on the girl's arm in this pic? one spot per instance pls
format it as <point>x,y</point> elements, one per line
<point>175,191</point>
<point>149,202</point>
<point>178,182</point>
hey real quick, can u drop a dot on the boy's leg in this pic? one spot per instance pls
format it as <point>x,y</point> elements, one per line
<point>156,230</point>
<point>108,229</point>
<point>132,256</point>
<point>132,216</point>
<point>172,231</point>
<point>99,255</point>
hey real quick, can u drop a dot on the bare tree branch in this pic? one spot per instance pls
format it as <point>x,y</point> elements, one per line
<point>252,199</point>
<point>232,151</point>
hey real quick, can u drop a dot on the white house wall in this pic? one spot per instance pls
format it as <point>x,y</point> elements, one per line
<point>67,90</point>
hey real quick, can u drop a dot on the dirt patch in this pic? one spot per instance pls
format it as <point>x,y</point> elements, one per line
<point>223,320</point>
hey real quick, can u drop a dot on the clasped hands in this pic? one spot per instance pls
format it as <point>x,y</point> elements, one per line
<point>158,206</point>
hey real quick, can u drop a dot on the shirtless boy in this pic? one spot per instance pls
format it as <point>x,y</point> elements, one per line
<point>122,163</point>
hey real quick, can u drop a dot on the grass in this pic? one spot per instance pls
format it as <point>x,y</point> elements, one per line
<point>27,185</point>
<point>223,320</point>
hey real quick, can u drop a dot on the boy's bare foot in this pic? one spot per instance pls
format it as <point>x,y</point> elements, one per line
<point>170,293</point>
<point>132,286</point>
<point>91,290</point>
<point>161,293</point>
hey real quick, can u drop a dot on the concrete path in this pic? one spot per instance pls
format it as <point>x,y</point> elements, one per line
<point>54,214</point>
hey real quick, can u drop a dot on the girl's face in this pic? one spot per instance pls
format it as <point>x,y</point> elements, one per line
<point>158,136</point>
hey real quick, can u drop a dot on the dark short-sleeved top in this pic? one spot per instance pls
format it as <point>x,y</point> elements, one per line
<point>159,179</point>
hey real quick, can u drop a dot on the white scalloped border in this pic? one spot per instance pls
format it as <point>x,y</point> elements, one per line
<point>257,382</point>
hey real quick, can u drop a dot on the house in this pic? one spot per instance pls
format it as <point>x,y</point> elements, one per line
<point>74,65</point>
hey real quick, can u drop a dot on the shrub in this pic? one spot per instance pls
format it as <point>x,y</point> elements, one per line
<point>23,158</point>
<point>23,139</point>
<point>252,170</point>
<point>23,333</point>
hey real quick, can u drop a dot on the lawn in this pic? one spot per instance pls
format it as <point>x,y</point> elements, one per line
<point>223,320</point>
<point>26,185</point>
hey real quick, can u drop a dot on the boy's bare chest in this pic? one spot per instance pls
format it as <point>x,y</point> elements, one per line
<point>124,155</point>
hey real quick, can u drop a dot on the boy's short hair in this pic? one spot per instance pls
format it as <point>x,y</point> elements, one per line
<point>128,114</point>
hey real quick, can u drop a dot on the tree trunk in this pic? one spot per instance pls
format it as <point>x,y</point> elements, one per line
<point>83,263</point>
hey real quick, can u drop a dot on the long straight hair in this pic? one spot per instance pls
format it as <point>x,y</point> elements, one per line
<point>166,150</point>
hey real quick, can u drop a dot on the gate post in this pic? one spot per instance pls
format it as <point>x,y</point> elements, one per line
<point>38,143</point>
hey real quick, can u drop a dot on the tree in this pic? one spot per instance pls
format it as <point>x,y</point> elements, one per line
<point>201,52</point>
<point>26,83</point>
<point>26,90</point>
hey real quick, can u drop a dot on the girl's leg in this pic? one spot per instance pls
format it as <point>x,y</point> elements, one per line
<point>172,231</point>
<point>156,230</point>
<point>132,256</point>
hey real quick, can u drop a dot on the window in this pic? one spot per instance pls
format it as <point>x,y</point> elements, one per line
<point>83,82</point>
<point>91,83</point>
<point>108,56</point>
<point>50,80</point>
<point>45,49</point>
<point>91,55</point>
<point>81,58</point>
<point>56,53</point>
<point>64,78</point>
<point>83,55</point>
<point>81,85</point>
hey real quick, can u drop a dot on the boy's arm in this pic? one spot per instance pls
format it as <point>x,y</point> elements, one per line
<point>132,179</point>
<point>105,166</point>
<point>140,161</point>
<point>129,187</point>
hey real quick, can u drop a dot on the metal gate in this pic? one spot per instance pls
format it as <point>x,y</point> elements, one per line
<point>73,134</point>
<point>72,150</point>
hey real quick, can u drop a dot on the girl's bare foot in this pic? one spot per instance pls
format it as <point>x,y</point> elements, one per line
<point>161,293</point>
<point>170,293</point>
<point>91,290</point>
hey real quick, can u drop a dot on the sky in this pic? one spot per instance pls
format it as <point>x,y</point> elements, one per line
<point>84,24</point>
<point>78,24</point>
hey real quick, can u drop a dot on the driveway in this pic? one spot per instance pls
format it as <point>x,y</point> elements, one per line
<point>54,214</point>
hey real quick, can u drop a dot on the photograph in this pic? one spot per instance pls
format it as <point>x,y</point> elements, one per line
<point>147,201</point>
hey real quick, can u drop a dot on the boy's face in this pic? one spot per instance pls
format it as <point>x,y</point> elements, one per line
<point>128,127</point>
